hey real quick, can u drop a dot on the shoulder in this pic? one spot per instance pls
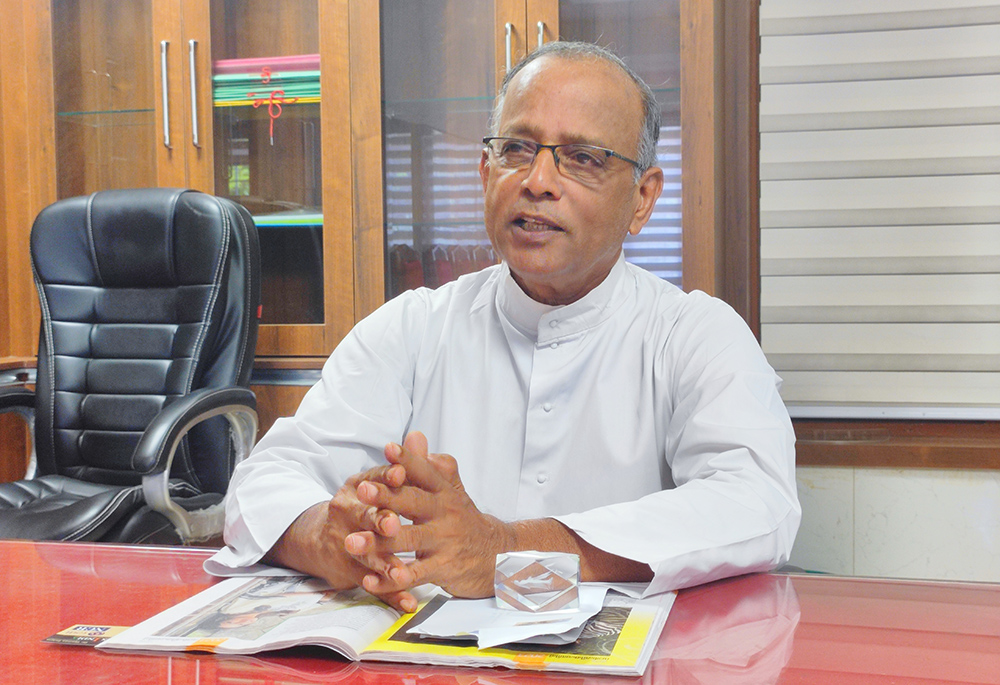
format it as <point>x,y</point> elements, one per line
<point>415,310</point>
<point>691,331</point>
<point>668,307</point>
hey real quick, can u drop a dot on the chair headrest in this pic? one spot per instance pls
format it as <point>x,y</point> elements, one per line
<point>155,237</point>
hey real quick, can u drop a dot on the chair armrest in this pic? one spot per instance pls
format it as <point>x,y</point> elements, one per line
<point>20,400</point>
<point>17,398</point>
<point>155,452</point>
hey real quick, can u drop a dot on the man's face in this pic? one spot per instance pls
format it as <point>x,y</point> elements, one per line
<point>559,236</point>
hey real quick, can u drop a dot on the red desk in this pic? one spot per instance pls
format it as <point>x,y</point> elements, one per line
<point>754,629</point>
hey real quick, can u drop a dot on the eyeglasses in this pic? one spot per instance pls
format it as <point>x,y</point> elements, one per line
<point>585,163</point>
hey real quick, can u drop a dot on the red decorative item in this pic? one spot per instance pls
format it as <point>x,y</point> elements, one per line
<point>274,102</point>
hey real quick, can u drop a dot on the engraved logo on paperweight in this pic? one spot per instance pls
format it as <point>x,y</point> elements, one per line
<point>537,581</point>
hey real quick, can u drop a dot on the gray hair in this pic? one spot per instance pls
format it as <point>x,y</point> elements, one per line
<point>572,50</point>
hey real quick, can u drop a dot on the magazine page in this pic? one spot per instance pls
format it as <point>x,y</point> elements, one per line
<point>247,615</point>
<point>618,640</point>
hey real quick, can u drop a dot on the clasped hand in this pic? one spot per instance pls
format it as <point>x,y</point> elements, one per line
<point>454,545</point>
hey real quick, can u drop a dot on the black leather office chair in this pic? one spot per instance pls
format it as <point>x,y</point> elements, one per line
<point>141,408</point>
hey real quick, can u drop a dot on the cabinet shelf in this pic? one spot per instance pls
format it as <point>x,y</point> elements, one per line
<point>107,118</point>
<point>104,111</point>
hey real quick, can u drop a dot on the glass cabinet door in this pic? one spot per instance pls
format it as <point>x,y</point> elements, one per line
<point>439,72</point>
<point>646,34</point>
<point>439,79</point>
<point>267,144</point>
<point>105,99</point>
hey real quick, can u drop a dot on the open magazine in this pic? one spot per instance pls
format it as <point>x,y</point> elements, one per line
<point>247,615</point>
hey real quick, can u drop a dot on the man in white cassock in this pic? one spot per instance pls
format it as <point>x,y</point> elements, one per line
<point>562,400</point>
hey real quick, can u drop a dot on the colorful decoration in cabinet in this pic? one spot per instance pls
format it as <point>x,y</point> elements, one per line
<point>274,81</point>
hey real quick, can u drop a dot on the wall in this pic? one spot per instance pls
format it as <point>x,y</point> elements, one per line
<point>900,523</point>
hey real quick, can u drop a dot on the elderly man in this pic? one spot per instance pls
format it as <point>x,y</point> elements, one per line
<point>562,400</point>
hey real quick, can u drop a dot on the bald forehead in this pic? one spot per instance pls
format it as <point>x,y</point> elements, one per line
<point>580,66</point>
<point>594,101</point>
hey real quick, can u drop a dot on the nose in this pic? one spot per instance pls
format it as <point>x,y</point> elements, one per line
<point>543,177</point>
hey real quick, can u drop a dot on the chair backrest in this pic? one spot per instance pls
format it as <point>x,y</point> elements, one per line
<point>146,295</point>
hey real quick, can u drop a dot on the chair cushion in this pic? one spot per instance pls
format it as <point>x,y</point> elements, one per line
<point>59,508</point>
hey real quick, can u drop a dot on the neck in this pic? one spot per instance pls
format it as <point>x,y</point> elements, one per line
<point>556,297</point>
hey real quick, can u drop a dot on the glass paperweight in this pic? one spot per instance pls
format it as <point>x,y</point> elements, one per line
<point>537,581</point>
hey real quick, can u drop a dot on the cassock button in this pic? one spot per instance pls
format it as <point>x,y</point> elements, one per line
<point>554,345</point>
<point>541,478</point>
<point>553,323</point>
<point>547,406</point>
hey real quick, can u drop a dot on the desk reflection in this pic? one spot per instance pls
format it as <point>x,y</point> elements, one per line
<point>733,631</point>
<point>129,564</point>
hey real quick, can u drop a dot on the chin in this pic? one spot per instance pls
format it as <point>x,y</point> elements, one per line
<point>531,265</point>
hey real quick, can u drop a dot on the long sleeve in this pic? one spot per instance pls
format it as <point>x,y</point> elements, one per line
<point>360,404</point>
<point>729,445</point>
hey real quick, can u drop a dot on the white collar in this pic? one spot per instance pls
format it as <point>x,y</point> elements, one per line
<point>544,323</point>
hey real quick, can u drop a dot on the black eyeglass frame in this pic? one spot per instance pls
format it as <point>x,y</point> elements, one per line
<point>555,155</point>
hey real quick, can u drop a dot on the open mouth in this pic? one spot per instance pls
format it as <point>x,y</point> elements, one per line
<point>535,226</point>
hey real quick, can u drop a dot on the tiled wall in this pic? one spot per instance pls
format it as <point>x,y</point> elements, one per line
<point>916,523</point>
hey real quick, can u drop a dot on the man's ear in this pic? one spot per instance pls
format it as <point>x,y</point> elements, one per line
<point>649,189</point>
<point>484,168</point>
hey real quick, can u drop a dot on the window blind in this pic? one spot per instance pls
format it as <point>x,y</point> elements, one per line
<point>880,206</point>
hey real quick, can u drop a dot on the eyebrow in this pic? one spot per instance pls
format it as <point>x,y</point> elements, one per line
<point>528,134</point>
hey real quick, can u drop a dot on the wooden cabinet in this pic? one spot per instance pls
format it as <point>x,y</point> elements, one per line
<point>126,104</point>
<point>137,100</point>
<point>237,98</point>
<point>101,94</point>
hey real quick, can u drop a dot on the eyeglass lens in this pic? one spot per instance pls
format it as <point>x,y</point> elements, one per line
<point>586,162</point>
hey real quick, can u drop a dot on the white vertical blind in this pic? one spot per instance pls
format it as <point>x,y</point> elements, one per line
<point>880,206</point>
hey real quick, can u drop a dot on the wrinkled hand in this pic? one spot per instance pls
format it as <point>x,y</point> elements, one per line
<point>317,542</point>
<point>455,544</point>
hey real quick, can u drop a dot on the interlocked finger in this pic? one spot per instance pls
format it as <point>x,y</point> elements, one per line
<point>412,456</point>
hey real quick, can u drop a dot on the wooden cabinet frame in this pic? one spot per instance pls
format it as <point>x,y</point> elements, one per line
<point>719,152</point>
<point>27,161</point>
<point>719,148</point>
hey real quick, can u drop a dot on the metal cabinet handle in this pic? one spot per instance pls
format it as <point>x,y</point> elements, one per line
<point>166,92</point>
<point>541,33</point>
<point>509,31</point>
<point>192,44</point>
